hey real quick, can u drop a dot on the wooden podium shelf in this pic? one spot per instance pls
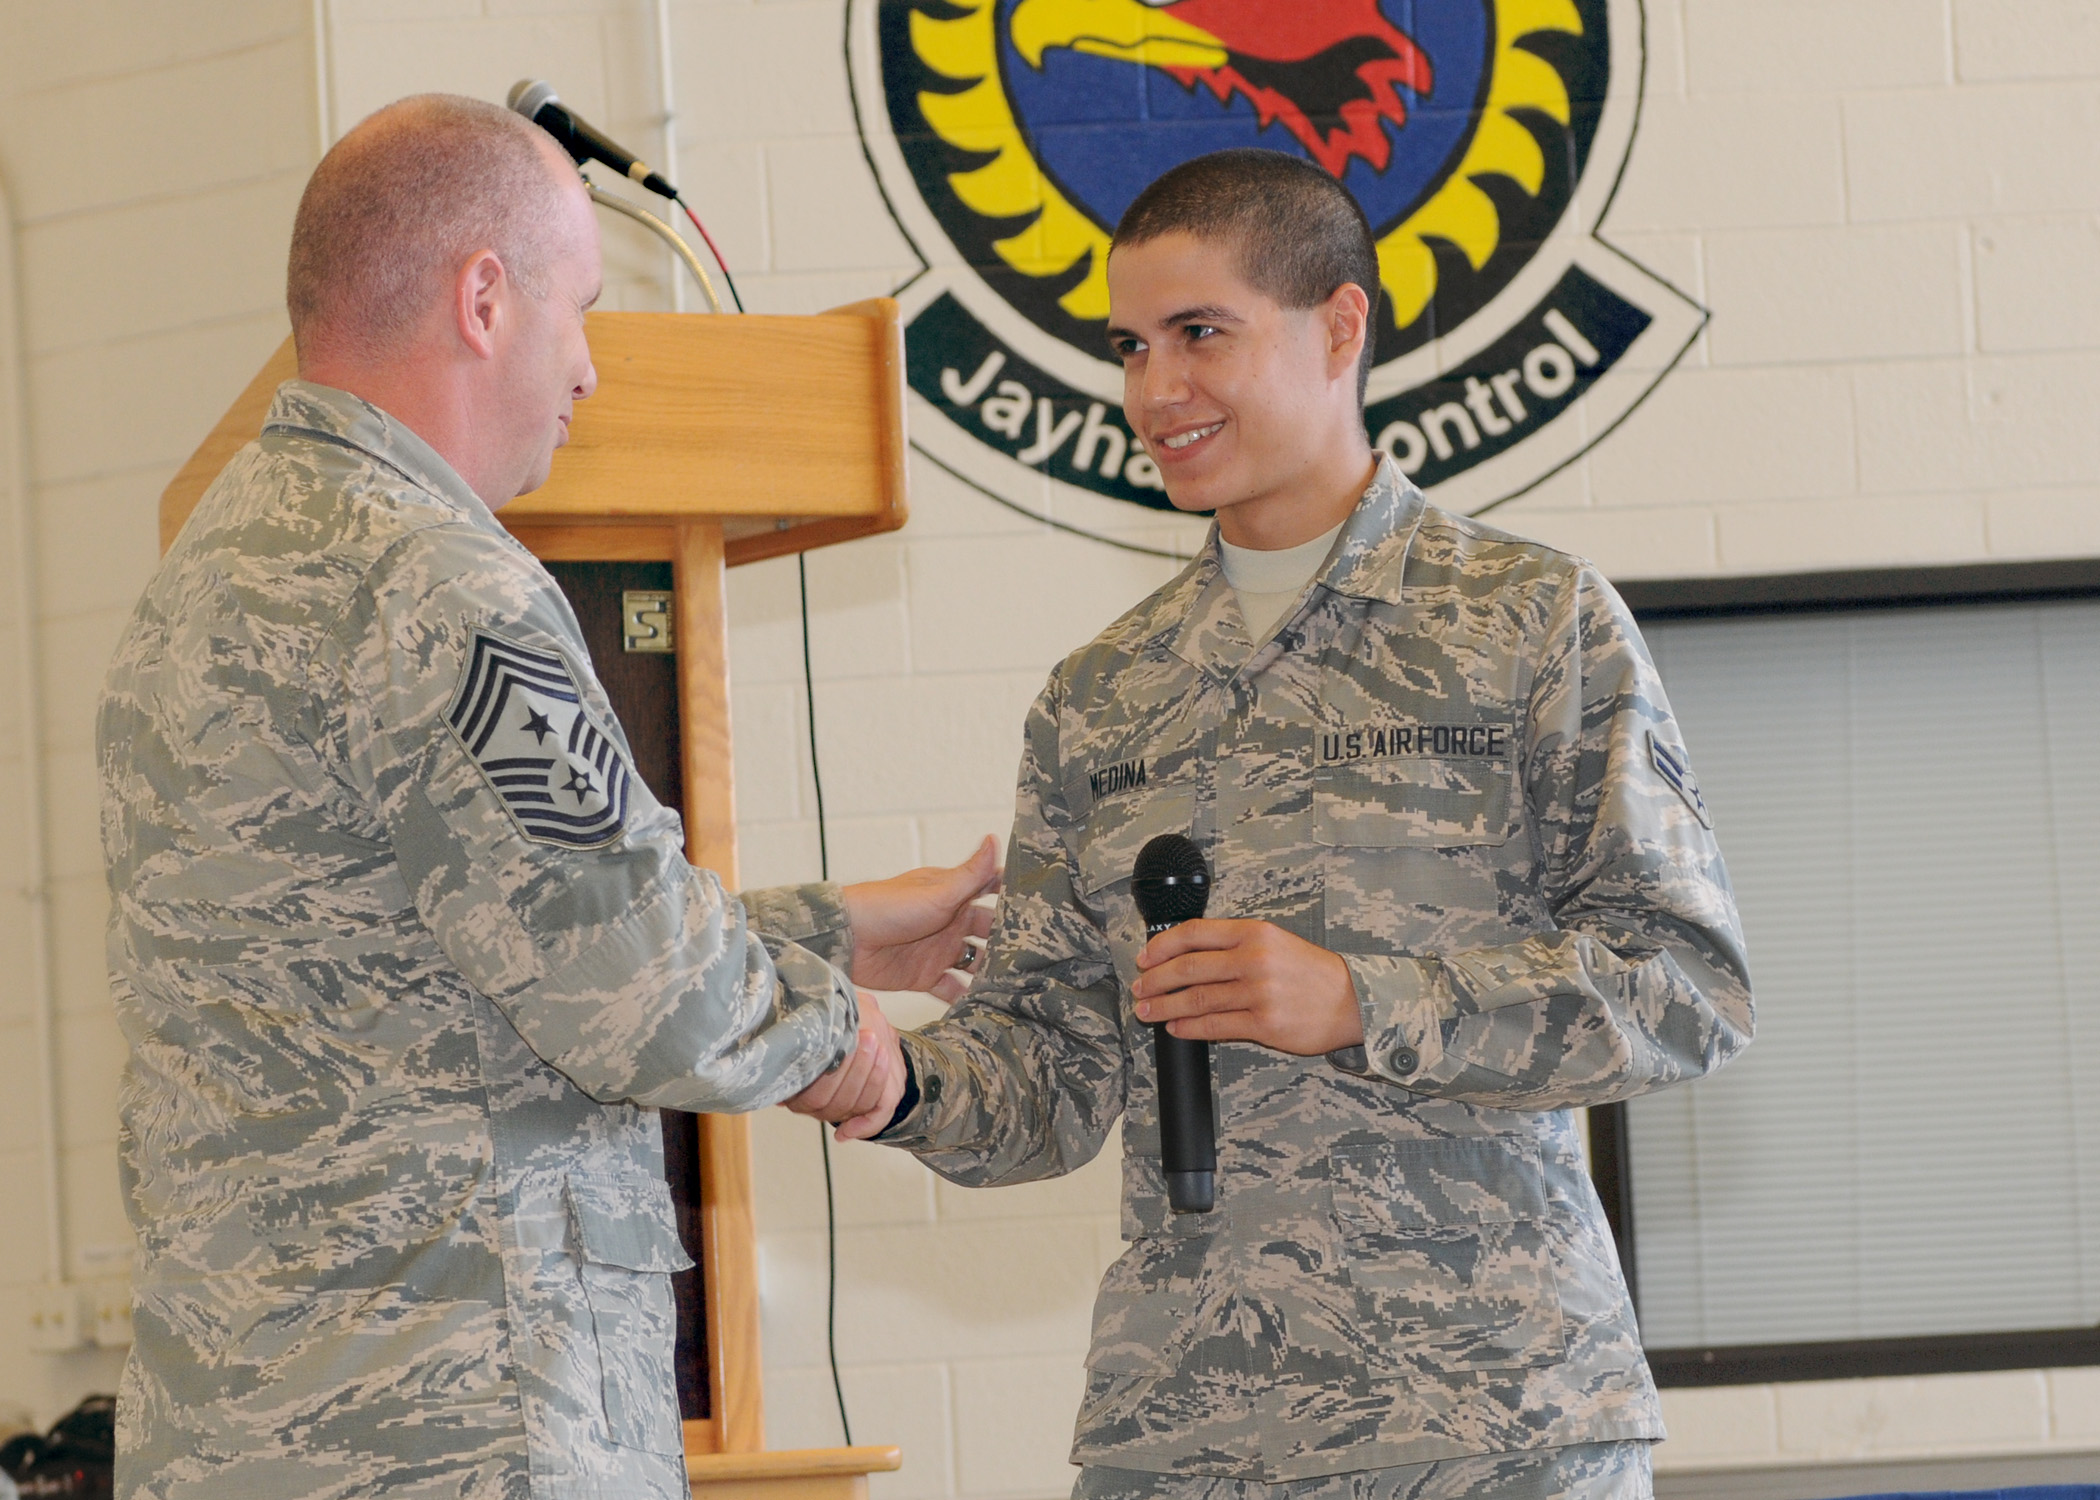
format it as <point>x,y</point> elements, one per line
<point>787,432</point>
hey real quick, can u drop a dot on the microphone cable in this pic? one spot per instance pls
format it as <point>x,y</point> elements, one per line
<point>715,250</point>
<point>816,776</point>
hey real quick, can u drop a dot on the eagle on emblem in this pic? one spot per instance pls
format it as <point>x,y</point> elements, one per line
<point>1006,110</point>
<point>1331,73</point>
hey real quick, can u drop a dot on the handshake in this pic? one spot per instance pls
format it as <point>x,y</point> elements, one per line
<point>1213,980</point>
<point>914,931</point>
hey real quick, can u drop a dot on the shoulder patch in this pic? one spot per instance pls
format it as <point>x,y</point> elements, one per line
<point>1672,766</point>
<point>519,713</point>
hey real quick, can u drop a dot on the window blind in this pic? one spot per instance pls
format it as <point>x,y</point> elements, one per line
<point>1909,804</point>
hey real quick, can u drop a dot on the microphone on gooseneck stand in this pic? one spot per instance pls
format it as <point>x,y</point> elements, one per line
<point>535,99</point>
<point>1172,885</point>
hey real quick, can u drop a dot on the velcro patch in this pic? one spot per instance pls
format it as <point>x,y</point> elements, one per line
<point>520,715</point>
<point>1672,766</point>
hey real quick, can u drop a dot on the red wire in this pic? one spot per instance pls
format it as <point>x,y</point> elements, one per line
<point>713,249</point>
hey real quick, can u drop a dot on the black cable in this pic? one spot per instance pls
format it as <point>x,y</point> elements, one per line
<point>831,1208</point>
<point>809,697</point>
<point>831,1282</point>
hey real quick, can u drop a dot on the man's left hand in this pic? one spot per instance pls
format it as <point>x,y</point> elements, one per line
<point>911,932</point>
<point>1241,981</point>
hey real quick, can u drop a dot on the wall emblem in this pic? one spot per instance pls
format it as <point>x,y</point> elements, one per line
<point>1484,139</point>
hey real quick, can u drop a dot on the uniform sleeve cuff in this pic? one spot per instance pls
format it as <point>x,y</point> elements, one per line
<point>813,916</point>
<point>905,1105</point>
<point>1403,1042</point>
<point>913,1124</point>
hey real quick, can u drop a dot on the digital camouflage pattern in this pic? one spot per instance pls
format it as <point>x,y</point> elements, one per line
<point>1582,1471</point>
<point>1439,767</point>
<point>389,1129</point>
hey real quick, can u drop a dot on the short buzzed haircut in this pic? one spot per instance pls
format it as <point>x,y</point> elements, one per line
<point>398,204</point>
<point>1299,234</point>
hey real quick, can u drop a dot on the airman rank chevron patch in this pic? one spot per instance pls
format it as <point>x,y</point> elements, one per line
<point>520,715</point>
<point>1676,770</point>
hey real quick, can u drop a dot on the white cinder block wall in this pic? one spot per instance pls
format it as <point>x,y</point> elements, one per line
<point>1891,206</point>
<point>151,155</point>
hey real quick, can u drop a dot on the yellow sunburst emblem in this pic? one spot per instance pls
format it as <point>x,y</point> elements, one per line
<point>966,103</point>
<point>1483,139</point>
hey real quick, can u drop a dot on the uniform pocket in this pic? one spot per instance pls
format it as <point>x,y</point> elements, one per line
<point>1445,1245</point>
<point>1118,826</point>
<point>1404,841</point>
<point>628,1246</point>
<point>1429,804</point>
<point>1145,1312</point>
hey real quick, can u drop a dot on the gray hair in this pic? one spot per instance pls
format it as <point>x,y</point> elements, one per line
<point>399,203</point>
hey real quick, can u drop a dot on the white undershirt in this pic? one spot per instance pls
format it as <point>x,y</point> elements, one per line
<point>1269,583</point>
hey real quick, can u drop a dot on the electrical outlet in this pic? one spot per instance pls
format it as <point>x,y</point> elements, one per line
<point>54,1319</point>
<point>106,1309</point>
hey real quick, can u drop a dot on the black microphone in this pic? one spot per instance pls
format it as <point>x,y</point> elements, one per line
<point>535,99</point>
<point>1172,886</point>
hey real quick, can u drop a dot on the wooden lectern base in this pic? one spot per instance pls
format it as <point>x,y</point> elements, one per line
<point>795,1474</point>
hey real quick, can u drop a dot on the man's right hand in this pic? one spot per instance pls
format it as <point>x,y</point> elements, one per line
<point>861,1094</point>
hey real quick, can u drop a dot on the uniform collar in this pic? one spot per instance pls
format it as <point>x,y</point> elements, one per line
<point>337,416</point>
<point>1199,613</point>
<point>1370,558</point>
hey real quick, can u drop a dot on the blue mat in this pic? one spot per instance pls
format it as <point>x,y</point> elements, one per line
<point>2034,1492</point>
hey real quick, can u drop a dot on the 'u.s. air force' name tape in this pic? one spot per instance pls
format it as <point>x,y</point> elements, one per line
<point>1436,741</point>
<point>520,715</point>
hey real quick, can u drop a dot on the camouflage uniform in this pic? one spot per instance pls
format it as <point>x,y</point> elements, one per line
<point>402,1007</point>
<point>1593,1471</point>
<point>1454,766</point>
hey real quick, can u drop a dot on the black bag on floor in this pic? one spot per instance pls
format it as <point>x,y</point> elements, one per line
<point>75,1460</point>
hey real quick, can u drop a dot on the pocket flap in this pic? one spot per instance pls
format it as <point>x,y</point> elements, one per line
<point>626,1222</point>
<point>1119,826</point>
<point>1426,803</point>
<point>1412,1185</point>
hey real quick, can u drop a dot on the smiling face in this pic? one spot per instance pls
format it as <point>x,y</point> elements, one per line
<point>1248,408</point>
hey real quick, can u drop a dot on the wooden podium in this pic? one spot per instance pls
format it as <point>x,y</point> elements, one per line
<point>710,442</point>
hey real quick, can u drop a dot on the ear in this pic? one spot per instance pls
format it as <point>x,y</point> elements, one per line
<point>1347,319</point>
<point>479,293</point>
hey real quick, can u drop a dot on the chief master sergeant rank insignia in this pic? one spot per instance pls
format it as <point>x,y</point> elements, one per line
<point>521,718</point>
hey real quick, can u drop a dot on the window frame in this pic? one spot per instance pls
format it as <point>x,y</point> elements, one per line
<point>1611,1164</point>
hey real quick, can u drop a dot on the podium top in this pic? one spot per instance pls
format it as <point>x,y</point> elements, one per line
<point>787,430</point>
